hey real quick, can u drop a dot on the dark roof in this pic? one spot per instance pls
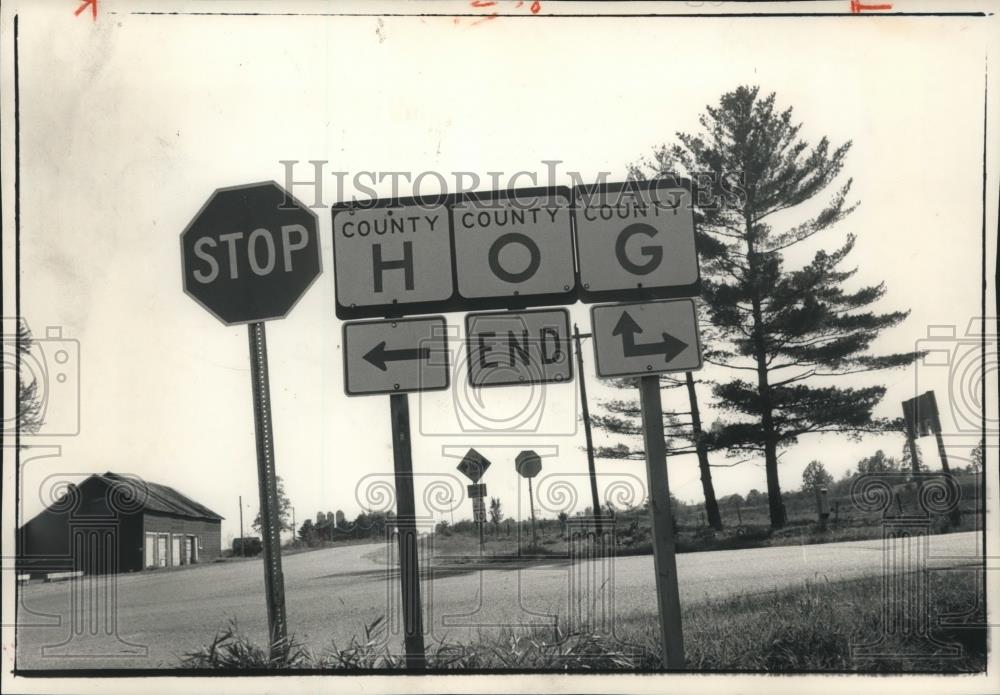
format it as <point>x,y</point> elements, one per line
<point>163,499</point>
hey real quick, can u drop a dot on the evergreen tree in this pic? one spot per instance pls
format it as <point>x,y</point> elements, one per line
<point>815,476</point>
<point>789,328</point>
<point>29,400</point>
<point>625,417</point>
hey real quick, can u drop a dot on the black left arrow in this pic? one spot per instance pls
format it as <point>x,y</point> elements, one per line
<point>627,328</point>
<point>378,355</point>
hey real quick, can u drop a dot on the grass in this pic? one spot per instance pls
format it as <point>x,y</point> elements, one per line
<point>461,545</point>
<point>809,628</point>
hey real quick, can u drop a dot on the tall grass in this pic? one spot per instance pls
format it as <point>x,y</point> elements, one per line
<point>809,628</point>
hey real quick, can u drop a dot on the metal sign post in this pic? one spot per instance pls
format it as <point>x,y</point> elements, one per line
<point>270,518</point>
<point>667,594</point>
<point>406,523</point>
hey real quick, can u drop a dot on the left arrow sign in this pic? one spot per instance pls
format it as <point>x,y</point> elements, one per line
<point>407,355</point>
<point>378,355</point>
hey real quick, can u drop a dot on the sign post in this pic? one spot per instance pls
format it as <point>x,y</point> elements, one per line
<point>406,523</point>
<point>248,257</point>
<point>667,594</point>
<point>529,464</point>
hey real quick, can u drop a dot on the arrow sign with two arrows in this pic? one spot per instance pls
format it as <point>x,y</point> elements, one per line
<point>627,328</point>
<point>621,352</point>
<point>416,361</point>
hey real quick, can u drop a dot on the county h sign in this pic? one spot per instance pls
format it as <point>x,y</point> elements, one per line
<point>250,254</point>
<point>635,240</point>
<point>392,257</point>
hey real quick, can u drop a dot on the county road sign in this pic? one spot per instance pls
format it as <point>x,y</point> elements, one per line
<point>392,257</point>
<point>250,253</point>
<point>514,248</point>
<point>395,356</point>
<point>645,338</point>
<point>507,348</point>
<point>635,240</point>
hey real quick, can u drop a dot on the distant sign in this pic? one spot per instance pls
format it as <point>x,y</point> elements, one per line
<point>247,256</point>
<point>476,490</point>
<point>508,348</point>
<point>921,415</point>
<point>395,356</point>
<point>635,240</point>
<point>646,338</point>
<point>515,245</point>
<point>528,464</point>
<point>392,257</point>
<point>478,510</point>
<point>473,465</point>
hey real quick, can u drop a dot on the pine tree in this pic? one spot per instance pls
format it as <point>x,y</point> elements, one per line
<point>29,400</point>
<point>790,328</point>
<point>625,417</point>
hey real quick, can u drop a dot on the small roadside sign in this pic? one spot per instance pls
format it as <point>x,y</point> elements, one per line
<point>476,490</point>
<point>478,510</point>
<point>646,338</point>
<point>635,240</point>
<point>507,348</point>
<point>392,257</point>
<point>397,356</point>
<point>528,464</point>
<point>515,247</point>
<point>473,465</point>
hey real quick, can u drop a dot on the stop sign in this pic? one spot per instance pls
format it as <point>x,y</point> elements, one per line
<point>250,253</point>
<point>528,463</point>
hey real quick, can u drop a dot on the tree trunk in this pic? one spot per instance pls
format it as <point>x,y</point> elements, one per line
<point>711,505</point>
<point>776,507</point>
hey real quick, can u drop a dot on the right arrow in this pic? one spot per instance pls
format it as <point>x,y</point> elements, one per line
<point>627,328</point>
<point>378,355</point>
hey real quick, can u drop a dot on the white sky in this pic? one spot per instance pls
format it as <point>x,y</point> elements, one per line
<point>130,123</point>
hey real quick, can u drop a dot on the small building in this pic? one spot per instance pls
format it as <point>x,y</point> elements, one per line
<point>112,523</point>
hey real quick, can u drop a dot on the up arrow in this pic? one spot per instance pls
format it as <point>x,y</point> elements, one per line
<point>627,328</point>
<point>378,355</point>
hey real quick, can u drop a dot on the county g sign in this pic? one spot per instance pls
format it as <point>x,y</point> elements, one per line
<point>250,253</point>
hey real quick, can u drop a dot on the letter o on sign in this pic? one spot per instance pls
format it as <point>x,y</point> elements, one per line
<point>250,253</point>
<point>505,240</point>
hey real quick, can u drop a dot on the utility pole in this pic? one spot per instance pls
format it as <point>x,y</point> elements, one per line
<point>242,553</point>
<point>586,431</point>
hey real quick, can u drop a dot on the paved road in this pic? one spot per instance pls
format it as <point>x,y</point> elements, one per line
<point>332,593</point>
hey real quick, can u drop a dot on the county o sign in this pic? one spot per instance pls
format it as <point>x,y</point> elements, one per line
<point>250,253</point>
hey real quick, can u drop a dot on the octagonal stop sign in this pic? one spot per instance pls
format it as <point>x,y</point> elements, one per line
<point>250,253</point>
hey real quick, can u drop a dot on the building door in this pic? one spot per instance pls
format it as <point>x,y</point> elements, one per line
<point>161,550</point>
<point>150,547</point>
<point>188,558</point>
<point>175,554</point>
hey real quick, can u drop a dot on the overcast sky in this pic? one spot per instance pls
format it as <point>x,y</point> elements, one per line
<point>128,125</point>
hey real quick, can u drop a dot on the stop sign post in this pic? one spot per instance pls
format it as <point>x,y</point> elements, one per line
<point>247,257</point>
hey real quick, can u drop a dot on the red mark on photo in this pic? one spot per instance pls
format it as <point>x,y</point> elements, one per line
<point>92,4</point>
<point>857,7</point>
